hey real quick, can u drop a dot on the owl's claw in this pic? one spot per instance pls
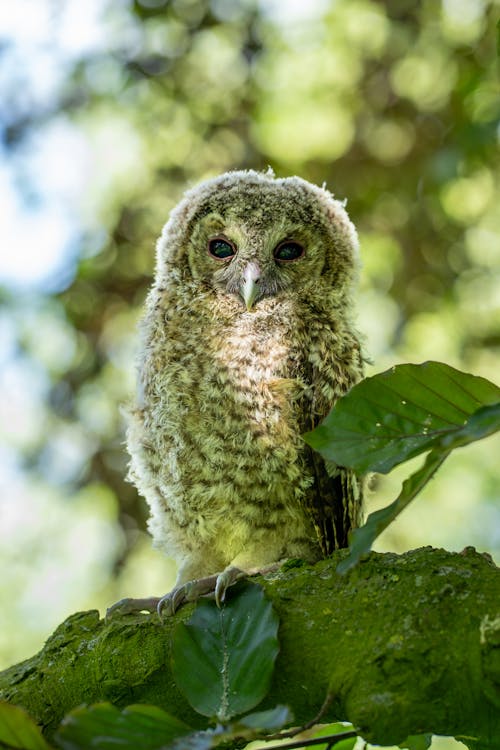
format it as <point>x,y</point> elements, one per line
<point>186,592</point>
<point>170,603</point>
<point>128,606</point>
<point>229,575</point>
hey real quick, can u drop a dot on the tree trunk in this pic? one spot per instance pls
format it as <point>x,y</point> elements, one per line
<point>406,644</point>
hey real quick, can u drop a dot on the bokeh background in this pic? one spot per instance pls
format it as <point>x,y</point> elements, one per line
<point>109,110</point>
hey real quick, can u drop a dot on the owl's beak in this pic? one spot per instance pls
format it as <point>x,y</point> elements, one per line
<point>250,287</point>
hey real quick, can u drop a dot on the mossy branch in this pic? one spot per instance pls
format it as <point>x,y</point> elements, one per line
<point>405,644</point>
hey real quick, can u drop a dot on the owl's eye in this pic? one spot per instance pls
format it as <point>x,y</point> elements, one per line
<point>287,251</point>
<point>221,249</point>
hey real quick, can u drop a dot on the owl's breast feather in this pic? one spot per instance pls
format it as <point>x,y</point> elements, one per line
<point>255,350</point>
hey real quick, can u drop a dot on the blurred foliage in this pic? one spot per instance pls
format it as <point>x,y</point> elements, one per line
<point>394,105</point>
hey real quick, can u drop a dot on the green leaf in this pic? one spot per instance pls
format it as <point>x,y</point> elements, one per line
<point>386,419</point>
<point>484,422</point>
<point>250,727</point>
<point>361,540</point>
<point>223,659</point>
<point>474,743</point>
<point>417,742</point>
<point>266,721</point>
<point>394,416</point>
<point>18,730</point>
<point>337,729</point>
<point>103,726</point>
<point>203,740</point>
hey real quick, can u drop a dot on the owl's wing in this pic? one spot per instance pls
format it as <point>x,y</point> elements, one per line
<point>336,496</point>
<point>335,503</point>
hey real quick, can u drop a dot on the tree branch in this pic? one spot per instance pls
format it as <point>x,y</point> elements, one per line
<point>406,644</point>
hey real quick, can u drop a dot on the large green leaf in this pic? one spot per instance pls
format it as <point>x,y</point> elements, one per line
<point>18,730</point>
<point>223,659</point>
<point>105,727</point>
<point>484,422</point>
<point>395,415</point>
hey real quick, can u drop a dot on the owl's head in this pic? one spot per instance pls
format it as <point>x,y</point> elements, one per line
<point>250,236</point>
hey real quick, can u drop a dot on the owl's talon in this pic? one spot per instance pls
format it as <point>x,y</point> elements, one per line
<point>226,579</point>
<point>186,592</point>
<point>130,606</point>
<point>164,606</point>
<point>169,604</point>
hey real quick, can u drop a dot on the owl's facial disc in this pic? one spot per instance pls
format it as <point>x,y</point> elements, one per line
<point>248,264</point>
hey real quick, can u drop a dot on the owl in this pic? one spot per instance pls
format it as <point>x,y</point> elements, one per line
<point>247,341</point>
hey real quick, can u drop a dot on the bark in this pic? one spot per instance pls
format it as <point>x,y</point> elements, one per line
<point>406,644</point>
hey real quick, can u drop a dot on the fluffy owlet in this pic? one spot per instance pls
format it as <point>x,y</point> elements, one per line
<point>247,341</point>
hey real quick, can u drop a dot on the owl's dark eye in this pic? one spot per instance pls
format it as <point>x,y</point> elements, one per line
<point>221,249</point>
<point>287,251</point>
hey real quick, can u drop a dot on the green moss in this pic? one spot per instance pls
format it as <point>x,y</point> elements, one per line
<point>404,644</point>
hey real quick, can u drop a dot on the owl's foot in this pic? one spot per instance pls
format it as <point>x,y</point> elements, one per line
<point>167,605</point>
<point>187,592</point>
<point>192,590</point>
